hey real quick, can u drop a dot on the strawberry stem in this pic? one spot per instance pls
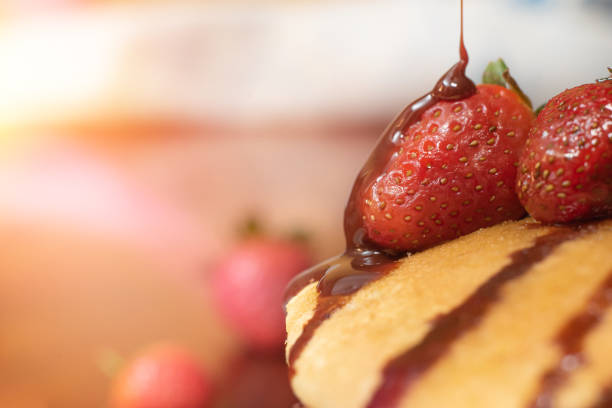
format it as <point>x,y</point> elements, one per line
<point>298,235</point>
<point>608,78</point>
<point>497,73</point>
<point>493,73</point>
<point>250,227</point>
<point>539,109</point>
<point>109,361</point>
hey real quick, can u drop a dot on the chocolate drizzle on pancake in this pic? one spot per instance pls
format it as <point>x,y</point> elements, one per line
<point>363,261</point>
<point>570,340</point>
<point>338,281</point>
<point>402,372</point>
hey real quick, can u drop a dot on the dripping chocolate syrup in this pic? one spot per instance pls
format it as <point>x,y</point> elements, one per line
<point>402,372</point>
<point>570,340</point>
<point>363,261</point>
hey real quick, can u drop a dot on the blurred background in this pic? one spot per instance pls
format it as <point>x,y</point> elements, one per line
<point>138,137</point>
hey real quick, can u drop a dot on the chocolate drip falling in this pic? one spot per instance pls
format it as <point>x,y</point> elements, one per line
<point>363,261</point>
<point>570,340</point>
<point>401,373</point>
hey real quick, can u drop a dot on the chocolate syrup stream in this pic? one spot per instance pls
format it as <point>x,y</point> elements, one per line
<point>402,372</point>
<point>570,340</point>
<point>363,261</point>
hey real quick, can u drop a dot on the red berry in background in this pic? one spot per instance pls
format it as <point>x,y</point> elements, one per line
<point>565,171</point>
<point>454,172</point>
<point>163,376</point>
<point>257,381</point>
<point>248,286</point>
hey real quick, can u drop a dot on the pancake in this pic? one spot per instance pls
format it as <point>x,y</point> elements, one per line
<point>514,315</point>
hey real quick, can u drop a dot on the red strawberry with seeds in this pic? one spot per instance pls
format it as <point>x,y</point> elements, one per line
<point>565,172</point>
<point>454,172</point>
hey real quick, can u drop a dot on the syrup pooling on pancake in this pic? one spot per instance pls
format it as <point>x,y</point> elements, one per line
<point>335,290</point>
<point>570,340</point>
<point>363,261</point>
<point>401,373</point>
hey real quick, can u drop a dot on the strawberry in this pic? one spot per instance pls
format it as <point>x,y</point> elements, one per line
<point>257,380</point>
<point>162,376</point>
<point>565,172</point>
<point>453,173</point>
<point>248,286</point>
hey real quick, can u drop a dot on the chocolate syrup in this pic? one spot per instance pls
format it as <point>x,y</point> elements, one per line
<point>363,261</point>
<point>570,340</point>
<point>402,372</point>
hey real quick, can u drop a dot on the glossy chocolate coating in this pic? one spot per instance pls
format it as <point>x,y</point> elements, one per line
<point>363,261</point>
<point>570,341</point>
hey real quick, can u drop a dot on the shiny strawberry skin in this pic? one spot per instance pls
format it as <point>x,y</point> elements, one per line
<point>565,172</point>
<point>454,172</point>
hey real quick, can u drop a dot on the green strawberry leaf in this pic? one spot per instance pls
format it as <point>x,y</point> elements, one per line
<point>537,111</point>
<point>494,73</point>
<point>497,73</point>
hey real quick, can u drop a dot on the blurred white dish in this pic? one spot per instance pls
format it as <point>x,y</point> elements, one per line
<point>283,60</point>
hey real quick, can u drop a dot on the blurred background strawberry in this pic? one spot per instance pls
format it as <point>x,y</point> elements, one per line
<point>248,286</point>
<point>162,376</point>
<point>256,380</point>
<point>135,136</point>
